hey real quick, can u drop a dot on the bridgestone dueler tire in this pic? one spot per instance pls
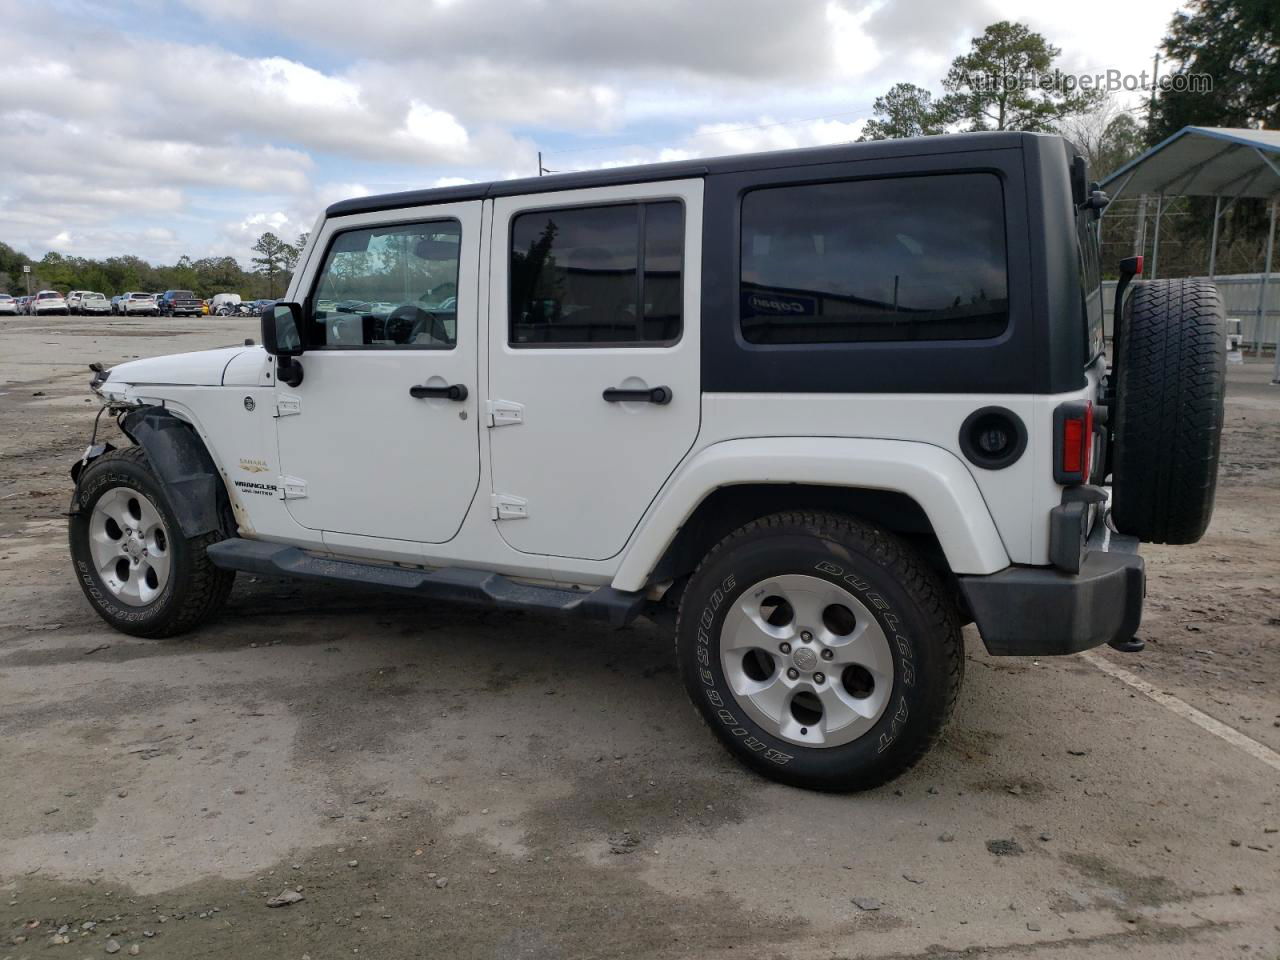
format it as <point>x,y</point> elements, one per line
<point>1168,419</point>
<point>888,577</point>
<point>195,588</point>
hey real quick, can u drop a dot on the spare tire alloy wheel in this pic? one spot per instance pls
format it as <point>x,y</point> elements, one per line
<point>1171,386</point>
<point>822,651</point>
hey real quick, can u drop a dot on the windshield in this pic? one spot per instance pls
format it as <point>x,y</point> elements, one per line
<point>49,296</point>
<point>94,296</point>
<point>140,296</point>
<point>182,295</point>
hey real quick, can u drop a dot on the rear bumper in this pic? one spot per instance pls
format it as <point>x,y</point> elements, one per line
<point>1045,611</point>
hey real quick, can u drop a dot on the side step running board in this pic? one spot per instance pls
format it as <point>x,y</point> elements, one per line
<point>448,583</point>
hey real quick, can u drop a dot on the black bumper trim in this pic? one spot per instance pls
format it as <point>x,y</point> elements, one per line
<point>1042,611</point>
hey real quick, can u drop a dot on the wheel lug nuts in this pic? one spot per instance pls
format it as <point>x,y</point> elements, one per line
<point>784,647</point>
<point>819,678</point>
<point>827,654</point>
<point>793,673</point>
<point>806,636</point>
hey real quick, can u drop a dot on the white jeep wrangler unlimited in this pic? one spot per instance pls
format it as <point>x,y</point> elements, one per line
<point>817,408</point>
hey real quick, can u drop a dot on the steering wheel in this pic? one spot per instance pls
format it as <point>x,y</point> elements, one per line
<point>406,323</point>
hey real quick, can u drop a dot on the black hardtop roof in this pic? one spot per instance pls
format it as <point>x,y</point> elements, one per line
<point>648,173</point>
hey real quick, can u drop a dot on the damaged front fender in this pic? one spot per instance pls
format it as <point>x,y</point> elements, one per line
<point>180,462</point>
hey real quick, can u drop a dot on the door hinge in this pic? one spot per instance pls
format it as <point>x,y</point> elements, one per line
<point>507,507</point>
<point>503,413</point>
<point>291,488</point>
<point>288,406</point>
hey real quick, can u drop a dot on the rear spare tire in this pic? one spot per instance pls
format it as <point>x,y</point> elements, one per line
<point>1168,419</point>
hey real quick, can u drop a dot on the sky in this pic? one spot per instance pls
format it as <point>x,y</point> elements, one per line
<point>169,127</point>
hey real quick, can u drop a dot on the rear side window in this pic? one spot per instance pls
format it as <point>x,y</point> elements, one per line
<point>908,258</point>
<point>1090,284</point>
<point>597,276</point>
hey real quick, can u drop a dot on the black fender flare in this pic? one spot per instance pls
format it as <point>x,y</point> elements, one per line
<point>181,464</point>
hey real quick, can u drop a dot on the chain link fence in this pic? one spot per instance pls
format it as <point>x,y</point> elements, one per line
<point>1240,297</point>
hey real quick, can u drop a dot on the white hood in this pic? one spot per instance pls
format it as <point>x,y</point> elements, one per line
<point>204,368</point>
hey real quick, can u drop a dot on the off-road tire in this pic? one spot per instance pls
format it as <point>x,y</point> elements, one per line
<point>908,599</point>
<point>195,588</point>
<point>1168,420</point>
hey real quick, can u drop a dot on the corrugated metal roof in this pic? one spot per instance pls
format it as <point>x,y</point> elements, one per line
<point>1205,162</point>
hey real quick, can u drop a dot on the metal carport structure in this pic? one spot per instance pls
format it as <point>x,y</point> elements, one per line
<point>1226,163</point>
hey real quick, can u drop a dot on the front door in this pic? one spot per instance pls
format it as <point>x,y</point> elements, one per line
<point>380,438</point>
<point>593,360</point>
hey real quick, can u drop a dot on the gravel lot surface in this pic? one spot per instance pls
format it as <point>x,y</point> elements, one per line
<point>445,782</point>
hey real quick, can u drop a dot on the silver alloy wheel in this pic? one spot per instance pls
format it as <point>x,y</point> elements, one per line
<point>130,546</point>
<point>807,660</point>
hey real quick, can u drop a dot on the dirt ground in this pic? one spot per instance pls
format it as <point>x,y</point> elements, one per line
<point>445,782</point>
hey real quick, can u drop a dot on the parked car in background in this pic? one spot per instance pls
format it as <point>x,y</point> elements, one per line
<point>8,304</point>
<point>73,300</point>
<point>115,305</point>
<point>48,301</point>
<point>224,304</point>
<point>175,303</point>
<point>138,304</point>
<point>94,304</point>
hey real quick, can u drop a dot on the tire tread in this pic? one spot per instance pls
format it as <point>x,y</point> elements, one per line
<point>919,581</point>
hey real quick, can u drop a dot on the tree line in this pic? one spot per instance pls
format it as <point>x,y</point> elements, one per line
<point>1234,42</point>
<point>272,267</point>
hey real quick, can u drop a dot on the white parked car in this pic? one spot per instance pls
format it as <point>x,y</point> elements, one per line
<point>224,304</point>
<point>135,304</point>
<point>94,304</point>
<point>815,410</point>
<point>48,301</point>
<point>8,304</point>
<point>73,300</point>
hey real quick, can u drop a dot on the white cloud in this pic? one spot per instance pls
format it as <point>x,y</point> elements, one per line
<point>120,137</point>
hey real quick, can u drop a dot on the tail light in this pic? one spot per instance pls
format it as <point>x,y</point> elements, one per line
<point>1073,442</point>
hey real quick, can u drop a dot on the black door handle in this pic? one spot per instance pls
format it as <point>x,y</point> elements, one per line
<point>454,391</point>
<point>658,395</point>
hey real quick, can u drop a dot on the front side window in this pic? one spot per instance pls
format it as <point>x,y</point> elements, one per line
<point>909,258</point>
<point>389,286</point>
<point>606,276</point>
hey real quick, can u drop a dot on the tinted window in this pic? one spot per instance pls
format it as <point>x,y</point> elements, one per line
<point>389,286</point>
<point>1090,284</point>
<point>597,275</point>
<point>918,258</point>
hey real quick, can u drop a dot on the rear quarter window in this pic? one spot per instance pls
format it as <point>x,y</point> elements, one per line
<point>894,259</point>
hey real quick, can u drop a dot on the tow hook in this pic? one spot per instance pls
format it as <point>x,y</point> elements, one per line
<point>1132,645</point>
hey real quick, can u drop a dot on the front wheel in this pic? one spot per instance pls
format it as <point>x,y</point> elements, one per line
<point>820,650</point>
<point>138,571</point>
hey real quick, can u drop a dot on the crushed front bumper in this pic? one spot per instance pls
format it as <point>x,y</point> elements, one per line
<point>1046,611</point>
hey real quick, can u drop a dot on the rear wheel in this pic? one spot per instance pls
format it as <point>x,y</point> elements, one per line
<point>1169,408</point>
<point>133,563</point>
<point>820,650</point>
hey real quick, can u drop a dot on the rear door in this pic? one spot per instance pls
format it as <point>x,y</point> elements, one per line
<point>593,360</point>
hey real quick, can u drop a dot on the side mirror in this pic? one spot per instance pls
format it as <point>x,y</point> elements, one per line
<point>282,337</point>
